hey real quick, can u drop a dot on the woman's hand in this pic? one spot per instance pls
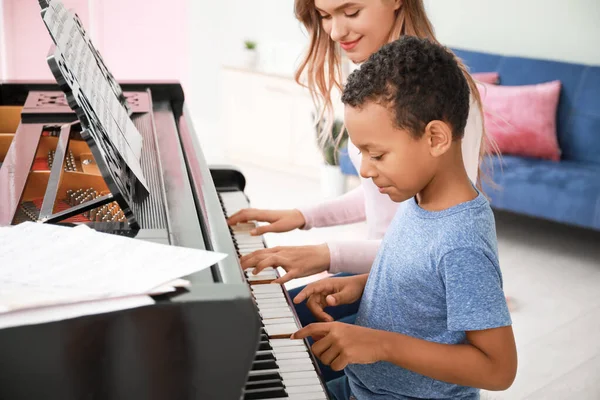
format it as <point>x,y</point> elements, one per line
<point>331,292</point>
<point>297,261</point>
<point>280,220</point>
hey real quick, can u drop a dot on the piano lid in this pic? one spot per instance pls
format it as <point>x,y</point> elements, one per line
<point>99,103</point>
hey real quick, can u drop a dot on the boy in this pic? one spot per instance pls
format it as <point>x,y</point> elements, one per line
<point>433,321</point>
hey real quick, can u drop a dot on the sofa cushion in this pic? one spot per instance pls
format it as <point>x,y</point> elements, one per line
<point>522,119</point>
<point>492,78</point>
<point>566,191</point>
<point>526,71</point>
<point>583,142</point>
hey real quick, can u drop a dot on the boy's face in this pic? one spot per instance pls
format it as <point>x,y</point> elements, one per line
<point>400,165</point>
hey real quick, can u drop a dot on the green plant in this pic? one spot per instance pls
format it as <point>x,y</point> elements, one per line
<point>250,44</point>
<point>331,144</point>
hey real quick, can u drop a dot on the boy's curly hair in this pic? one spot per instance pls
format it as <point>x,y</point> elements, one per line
<point>417,79</point>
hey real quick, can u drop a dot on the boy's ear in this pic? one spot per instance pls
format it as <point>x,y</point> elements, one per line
<point>439,135</point>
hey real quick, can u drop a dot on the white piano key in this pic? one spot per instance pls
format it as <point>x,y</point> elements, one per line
<point>266,288</point>
<point>273,307</point>
<point>272,301</point>
<point>305,389</point>
<point>264,275</point>
<point>299,375</point>
<point>257,242</point>
<point>302,382</point>
<point>282,329</point>
<point>308,396</point>
<point>287,342</point>
<point>240,226</point>
<point>292,355</point>
<point>296,368</point>
<point>263,296</point>
<point>276,314</point>
<point>290,349</point>
<point>261,277</point>
<point>294,361</point>
<point>268,269</point>
<point>244,234</point>
<point>279,321</point>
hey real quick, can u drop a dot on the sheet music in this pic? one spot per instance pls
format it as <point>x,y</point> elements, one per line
<point>73,48</point>
<point>42,265</point>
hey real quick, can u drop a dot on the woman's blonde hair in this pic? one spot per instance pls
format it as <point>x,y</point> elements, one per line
<point>322,64</point>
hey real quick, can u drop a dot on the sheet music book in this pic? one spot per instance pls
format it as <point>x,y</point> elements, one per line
<point>46,265</point>
<point>76,64</point>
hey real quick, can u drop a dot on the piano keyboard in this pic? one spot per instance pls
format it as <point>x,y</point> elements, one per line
<point>283,367</point>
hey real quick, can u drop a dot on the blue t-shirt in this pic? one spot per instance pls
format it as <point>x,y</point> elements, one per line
<point>436,276</point>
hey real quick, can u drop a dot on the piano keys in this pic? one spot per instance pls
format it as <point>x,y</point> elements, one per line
<point>283,367</point>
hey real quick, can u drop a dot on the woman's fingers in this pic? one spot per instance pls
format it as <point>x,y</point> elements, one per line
<point>252,214</point>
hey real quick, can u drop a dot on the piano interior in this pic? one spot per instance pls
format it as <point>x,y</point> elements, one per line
<point>80,180</point>
<point>226,336</point>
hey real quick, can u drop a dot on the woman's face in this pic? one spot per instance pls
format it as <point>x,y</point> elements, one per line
<point>361,27</point>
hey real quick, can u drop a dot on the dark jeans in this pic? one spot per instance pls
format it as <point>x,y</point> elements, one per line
<point>339,389</point>
<point>343,313</point>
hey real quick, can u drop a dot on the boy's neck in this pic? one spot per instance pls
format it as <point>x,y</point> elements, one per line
<point>450,186</point>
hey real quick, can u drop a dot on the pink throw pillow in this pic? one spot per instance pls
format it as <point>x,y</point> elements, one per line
<point>486,77</point>
<point>522,119</point>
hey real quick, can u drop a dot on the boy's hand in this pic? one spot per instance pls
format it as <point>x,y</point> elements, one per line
<point>338,344</point>
<point>331,292</point>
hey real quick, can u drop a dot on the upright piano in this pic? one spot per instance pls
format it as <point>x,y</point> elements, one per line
<point>226,336</point>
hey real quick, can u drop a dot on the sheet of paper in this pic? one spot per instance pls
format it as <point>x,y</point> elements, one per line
<point>42,264</point>
<point>67,311</point>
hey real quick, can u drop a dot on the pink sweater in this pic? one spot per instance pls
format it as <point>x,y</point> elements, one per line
<point>366,203</point>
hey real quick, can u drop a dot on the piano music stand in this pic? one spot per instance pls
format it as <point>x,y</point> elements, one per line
<point>101,108</point>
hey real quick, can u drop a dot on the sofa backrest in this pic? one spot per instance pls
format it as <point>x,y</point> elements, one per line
<point>578,114</point>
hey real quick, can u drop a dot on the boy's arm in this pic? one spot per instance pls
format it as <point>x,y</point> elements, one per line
<point>488,361</point>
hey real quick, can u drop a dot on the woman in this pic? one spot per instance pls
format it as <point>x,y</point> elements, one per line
<point>359,28</point>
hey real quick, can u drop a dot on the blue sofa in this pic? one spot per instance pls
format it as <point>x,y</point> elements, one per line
<point>567,191</point>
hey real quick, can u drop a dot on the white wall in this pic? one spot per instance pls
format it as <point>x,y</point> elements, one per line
<point>563,30</point>
<point>218,29</point>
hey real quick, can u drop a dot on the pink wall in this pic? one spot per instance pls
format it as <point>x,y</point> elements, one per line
<point>27,40</point>
<point>137,41</point>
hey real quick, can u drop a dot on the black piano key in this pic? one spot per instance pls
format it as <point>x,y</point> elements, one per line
<point>264,364</point>
<point>264,345</point>
<point>263,357</point>
<point>268,393</point>
<point>267,383</point>
<point>265,377</point>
